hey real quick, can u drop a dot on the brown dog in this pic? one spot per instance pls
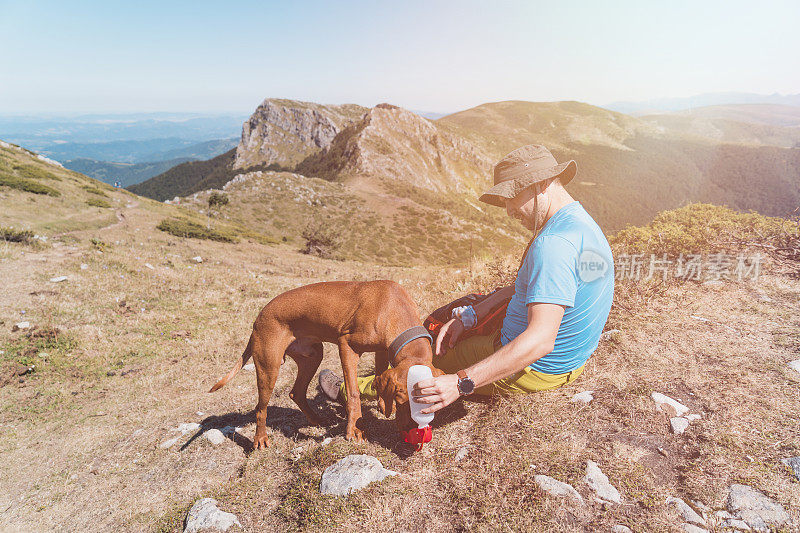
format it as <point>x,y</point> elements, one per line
<point>357,316</point>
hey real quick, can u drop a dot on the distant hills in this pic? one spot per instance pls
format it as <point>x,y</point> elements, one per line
<point>657,105</point>
<point>629,168</point>
<point>124,147</point>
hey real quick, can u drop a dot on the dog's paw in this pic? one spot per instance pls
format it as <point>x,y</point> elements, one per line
<point>261,442</point>
<point>355,435</point>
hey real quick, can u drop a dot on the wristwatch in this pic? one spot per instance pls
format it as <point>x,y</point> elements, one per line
<point>465,383</point>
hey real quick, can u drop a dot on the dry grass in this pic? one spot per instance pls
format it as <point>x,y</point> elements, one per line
<point>82,432</point>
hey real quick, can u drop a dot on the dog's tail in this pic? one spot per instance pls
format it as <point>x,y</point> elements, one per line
<point>238,366</point>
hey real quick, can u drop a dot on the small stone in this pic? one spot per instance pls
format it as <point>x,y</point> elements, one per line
<point>793,463</point>
<point>187,427</point>
<point>557,488</point>
<point>619,528</point>
<point>795,365</point>
<point>214,436</point>
<point>326,441</point>
<point>686,512</point>
<point>461,454</point>
<point>735,523</point>
<point>755,508</point>
<point>21,326</point>
<point>249,367</point>
<point>84,266</point>
<point>205,515</point>
<point>200,413</point>
<point>197,259</point>
<point>44,356</point>
<point>607,335</point>
<point>168,443</point>
<point>148,265</point>
<point>352,473</point>
<point>58,279</point>
<point>693,417</point>
<point>668,405</point>
<point>599,483</point>
<point>583,397</point>
<point>679,424</point>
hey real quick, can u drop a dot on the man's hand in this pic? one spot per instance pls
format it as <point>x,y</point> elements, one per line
<point>449,335</point>
<point>440,391</point>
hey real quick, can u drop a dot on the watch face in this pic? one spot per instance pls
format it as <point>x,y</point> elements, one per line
<point>466,386</point>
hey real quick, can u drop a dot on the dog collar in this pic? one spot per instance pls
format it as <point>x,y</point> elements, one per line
<point>417,332</point>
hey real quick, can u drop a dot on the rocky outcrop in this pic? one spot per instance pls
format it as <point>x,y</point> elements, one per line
<point>398,146</point>
<point>284,132</point>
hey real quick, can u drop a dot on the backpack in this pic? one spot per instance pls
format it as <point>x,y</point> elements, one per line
<point>486,325</point>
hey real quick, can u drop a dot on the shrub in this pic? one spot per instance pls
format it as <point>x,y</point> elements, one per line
<point>217,200</point>
<point>27,185</point>
<point>34,172</point>
<point>14,235</point>
<point>186,228</point>
<point>699,228</point>
<point>321,240</point>
<point>94,190</point>
<point>97,202</point>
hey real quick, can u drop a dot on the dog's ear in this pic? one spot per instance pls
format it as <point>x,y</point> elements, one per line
<point>386,387</point>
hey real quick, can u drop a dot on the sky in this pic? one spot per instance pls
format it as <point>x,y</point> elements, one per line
<point>434,56</point>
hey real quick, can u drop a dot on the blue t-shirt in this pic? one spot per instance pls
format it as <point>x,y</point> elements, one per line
<point>570,264</point>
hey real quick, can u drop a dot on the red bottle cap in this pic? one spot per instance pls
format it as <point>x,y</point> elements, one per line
<point>419,436</point>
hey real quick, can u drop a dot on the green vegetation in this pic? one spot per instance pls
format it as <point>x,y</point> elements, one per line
<point>188,178</point>
<point>35,172</point>
<point>97,202</point>
<point>27,185</point>
<point>181,227</point>
<point>15,235</point>
<point>322,240</point>
<point>94,190</point>
<point>701,228</point>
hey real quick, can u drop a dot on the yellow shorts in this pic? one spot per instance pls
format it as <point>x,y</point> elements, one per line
<point>473,349</point>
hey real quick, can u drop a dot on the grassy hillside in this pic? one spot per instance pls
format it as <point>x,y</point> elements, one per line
<point>628,169</point>
<point>406,226</point>
<point>124,352</point>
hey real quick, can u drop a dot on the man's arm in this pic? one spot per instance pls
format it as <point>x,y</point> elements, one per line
<point>532,344</point>
<point>535,342</point>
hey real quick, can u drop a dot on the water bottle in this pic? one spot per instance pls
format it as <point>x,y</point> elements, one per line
<point>415,374</point>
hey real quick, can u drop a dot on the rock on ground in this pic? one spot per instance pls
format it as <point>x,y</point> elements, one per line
<point>759,511</point>
<point>795,365</point>
<point>352,473</point>
<point>557,488</point>
<point>598,482</point>
<point>679,424</point>
<point>461,454</point>
<point>794,464</point>
<point>168,443</point>
<point>619,528</point>
<point>249,367</point>
<point>583,397</point>
<point>21,326</point>
<point>669,405</point>
<point>214,436</point>
<point>686,512</point>
<point>205,515</point>
<point>186,427</point>
<point>58,279</point>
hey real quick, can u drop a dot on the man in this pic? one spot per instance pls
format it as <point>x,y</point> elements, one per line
<point>559,302</point>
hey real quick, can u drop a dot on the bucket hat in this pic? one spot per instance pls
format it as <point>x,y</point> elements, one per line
<point>522,168</point>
